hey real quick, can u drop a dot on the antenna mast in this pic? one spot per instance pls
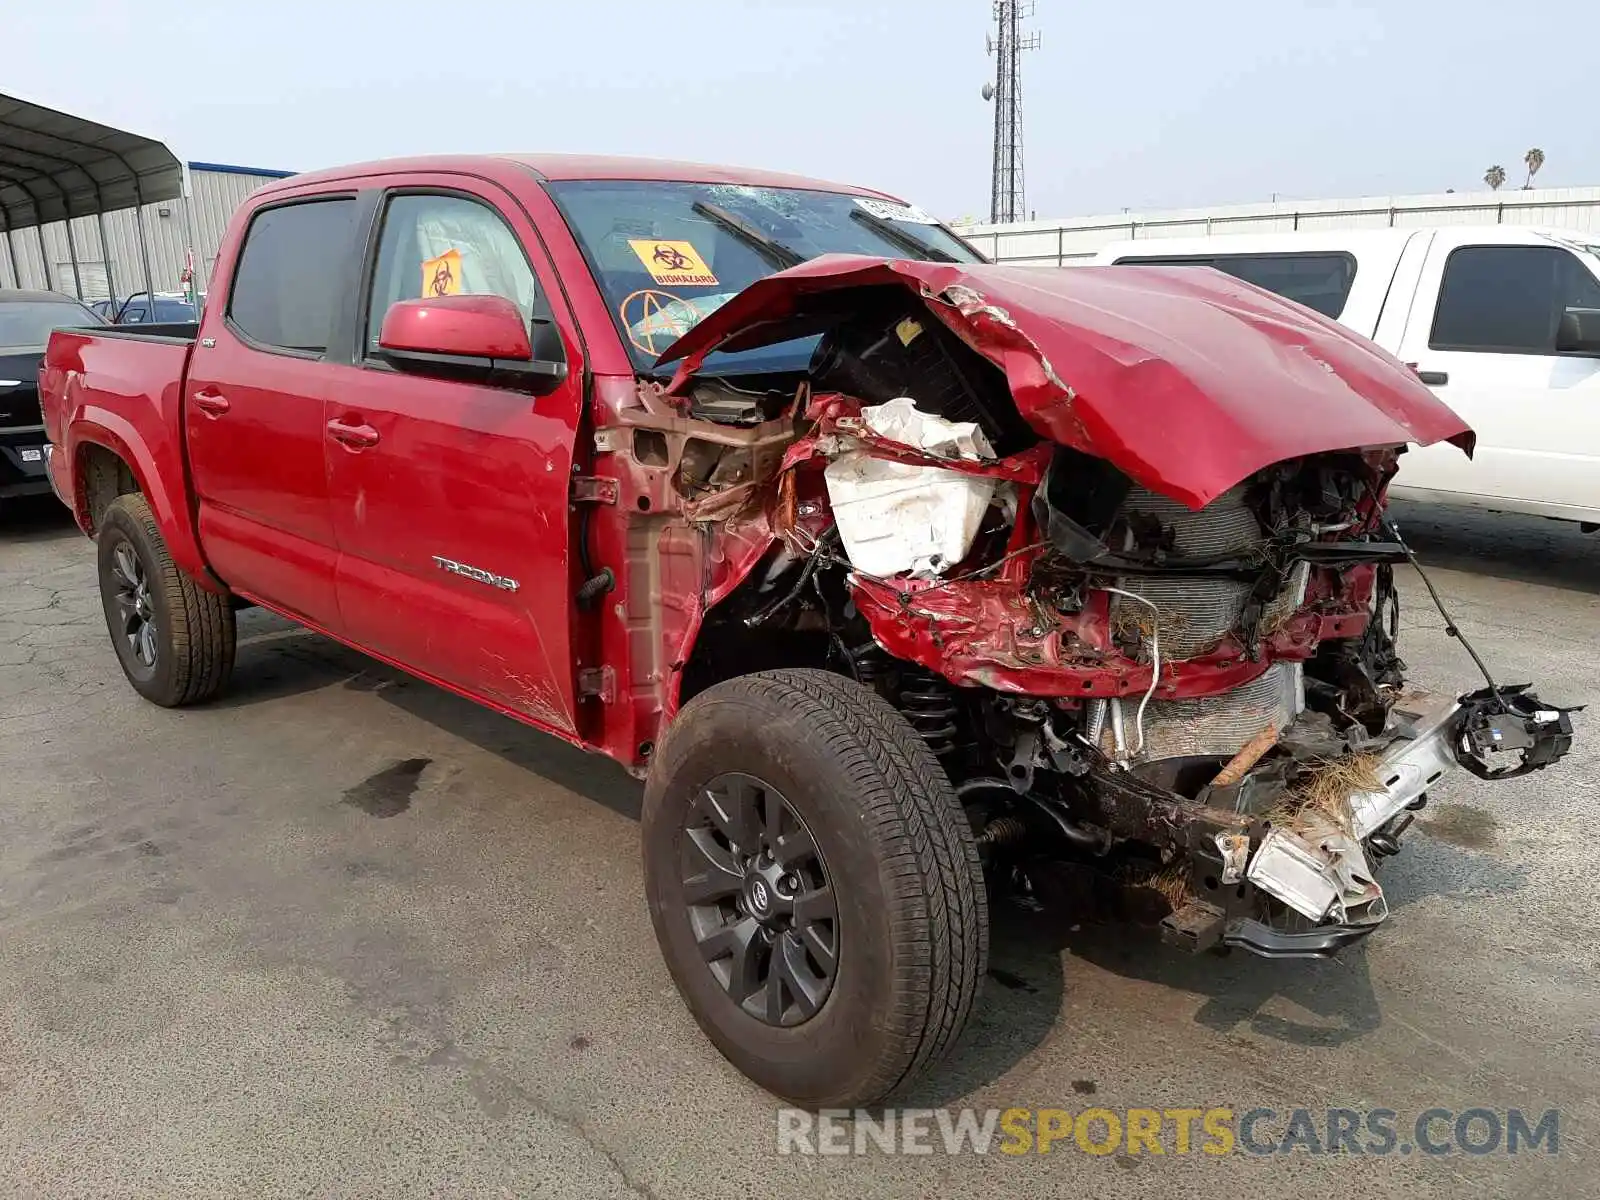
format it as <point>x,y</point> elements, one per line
<point>1007,199</point>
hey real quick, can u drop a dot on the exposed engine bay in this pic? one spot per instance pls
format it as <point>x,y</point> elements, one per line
<point>1202,703</point>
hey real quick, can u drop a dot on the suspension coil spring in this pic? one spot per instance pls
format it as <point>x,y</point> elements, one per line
<point>868,664</point>
<point>926,701</point>
<point>1003,831</point>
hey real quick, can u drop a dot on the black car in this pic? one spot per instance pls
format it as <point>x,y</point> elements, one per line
<point>167,310</point>
<point>26,321</point>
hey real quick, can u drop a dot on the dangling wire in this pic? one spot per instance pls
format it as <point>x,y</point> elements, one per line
<point>819,553</point>
<point>1155,660</point>
<point>1450,626</point>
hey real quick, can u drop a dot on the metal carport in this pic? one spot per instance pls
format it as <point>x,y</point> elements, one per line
<point>55,167</point>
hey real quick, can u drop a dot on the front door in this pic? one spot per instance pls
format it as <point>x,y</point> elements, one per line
<point>1487,345</point>
<point>253,407</point>
<point>452,522</point>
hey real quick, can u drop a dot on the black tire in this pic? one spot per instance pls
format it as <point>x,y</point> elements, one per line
<point>188,630</point>
<point>912,929</point>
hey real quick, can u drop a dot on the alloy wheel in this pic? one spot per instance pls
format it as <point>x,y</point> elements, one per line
<point>135,608</point>
<point>760,902</point>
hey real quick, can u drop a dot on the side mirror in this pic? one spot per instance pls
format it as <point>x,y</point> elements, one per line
<point>472,335</point>
<point>1579,331</point>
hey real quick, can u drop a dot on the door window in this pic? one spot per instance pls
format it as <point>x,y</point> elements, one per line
<point>435,245</point>
<point>1509,299</point>
<point>291,273</point>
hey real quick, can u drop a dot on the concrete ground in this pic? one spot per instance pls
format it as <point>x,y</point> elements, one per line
<point>341,934</point>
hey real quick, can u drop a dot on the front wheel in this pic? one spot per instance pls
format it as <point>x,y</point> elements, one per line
<point>814,886</point>
<point>174,639</point>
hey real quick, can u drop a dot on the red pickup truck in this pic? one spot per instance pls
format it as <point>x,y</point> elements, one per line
<point>898,575</point>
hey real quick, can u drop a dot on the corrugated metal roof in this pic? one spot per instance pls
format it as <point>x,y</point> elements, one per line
<point>54,166</point>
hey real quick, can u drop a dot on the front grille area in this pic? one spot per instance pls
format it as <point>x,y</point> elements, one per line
<point>1195,613</point>
<point>1221,724</point>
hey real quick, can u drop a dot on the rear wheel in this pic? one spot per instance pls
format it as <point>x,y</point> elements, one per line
<point>814,885</point>
<point>174,639</point>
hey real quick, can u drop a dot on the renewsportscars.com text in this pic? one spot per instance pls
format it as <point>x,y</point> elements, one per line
<point>1176,1131</point>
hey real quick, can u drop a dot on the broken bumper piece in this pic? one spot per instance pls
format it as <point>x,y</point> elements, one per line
<point>1201,926</point>
<point>1322,942</point>
<point>1319,872</point>
<point>1320,869</point>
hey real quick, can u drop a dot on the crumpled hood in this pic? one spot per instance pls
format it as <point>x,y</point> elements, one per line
<point>1184,378</point>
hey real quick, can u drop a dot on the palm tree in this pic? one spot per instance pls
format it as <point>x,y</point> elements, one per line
<point>1534,159</point>
<point>1495,176</point>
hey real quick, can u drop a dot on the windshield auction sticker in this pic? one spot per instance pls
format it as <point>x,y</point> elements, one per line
<point>673,264</point>
<point>889,211</point>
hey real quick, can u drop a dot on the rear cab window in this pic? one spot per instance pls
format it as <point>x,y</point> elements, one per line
<point>290,276</point>
<point>1319,280</point>
<point>1509,299</point>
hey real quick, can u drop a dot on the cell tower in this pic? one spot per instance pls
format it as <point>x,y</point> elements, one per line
<point>1007,200</point>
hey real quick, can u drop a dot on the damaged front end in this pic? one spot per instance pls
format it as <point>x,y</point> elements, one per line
<point>1116,547</point>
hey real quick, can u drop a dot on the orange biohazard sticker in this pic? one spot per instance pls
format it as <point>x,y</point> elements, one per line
<point>442,276</point>
<point>673,264</point>
<point>654,320</point>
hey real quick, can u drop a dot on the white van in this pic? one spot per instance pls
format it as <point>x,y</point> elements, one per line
<point>1502,322</point>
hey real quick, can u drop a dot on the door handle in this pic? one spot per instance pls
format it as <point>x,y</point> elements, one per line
<point>356,437</point>
<point>1434,378</point>
<point>213,403</point>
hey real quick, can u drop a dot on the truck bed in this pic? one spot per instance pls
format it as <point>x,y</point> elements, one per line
<point>185,331</point>
<point>122,387</point>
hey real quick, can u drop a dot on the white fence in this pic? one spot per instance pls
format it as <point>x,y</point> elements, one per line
<point>1058,243</point>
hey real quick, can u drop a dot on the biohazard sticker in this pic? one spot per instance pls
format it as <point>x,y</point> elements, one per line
<point>673,264</point>
<point>888,210</point>
<point>442,276</point>
<point>654,320</point>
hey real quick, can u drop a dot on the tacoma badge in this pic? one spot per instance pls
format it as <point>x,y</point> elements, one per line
<point>478,573</point>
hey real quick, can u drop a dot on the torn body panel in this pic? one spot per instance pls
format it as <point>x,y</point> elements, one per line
<point>694,501</point>
<point>996,634</point>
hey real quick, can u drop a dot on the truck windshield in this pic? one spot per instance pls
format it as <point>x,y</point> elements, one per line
<point>27,324</point>
<point>667,255</point>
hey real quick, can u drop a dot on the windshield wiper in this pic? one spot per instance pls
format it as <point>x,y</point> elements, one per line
<point>890,232</point>
<point>774,251</point>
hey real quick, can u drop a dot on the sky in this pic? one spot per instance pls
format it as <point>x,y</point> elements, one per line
<point>1155,104</point>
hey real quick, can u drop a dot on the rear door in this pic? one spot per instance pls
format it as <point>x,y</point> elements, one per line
<point>1483,335</point>
<point>257,386</point>
<point>453,523</point>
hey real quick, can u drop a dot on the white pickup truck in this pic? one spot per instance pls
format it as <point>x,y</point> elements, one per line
<point>1502,322</point>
